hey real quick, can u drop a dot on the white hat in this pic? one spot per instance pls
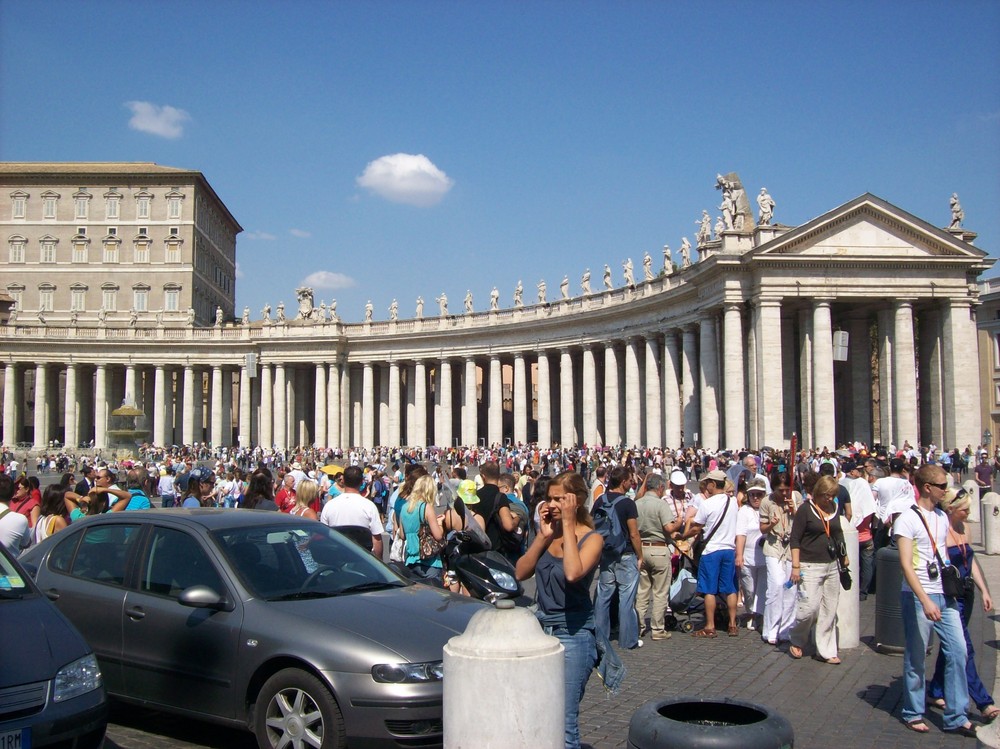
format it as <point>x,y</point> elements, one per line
<point>678,478</point>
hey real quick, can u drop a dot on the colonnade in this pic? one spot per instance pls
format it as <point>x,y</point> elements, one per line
<point>733,375</point>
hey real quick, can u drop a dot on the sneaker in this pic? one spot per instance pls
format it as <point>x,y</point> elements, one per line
<point>661,635</point>
<point>638,644</point>
<point>750,625</point>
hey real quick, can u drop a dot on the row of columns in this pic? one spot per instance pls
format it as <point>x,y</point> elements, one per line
<point>777,375</point>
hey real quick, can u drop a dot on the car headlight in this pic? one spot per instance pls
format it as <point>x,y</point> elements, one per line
<point>408,673</point>
<point>79,677</point>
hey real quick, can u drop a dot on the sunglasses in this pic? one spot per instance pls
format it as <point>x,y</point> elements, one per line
<point>942,486</point>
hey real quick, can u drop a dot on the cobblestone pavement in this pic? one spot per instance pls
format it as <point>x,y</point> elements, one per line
<point>852,705</point>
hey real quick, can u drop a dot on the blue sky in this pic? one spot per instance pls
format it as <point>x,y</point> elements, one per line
<point>554,136</point>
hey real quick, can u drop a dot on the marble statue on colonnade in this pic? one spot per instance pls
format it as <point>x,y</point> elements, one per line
<point>333,311</point>
<point>190,316</point>
<point>585,282</point>
<point>323,317</point>
<point>647,267</point>
<point>629,276</point>
<point>304,295</point>
<point>394,310</point>
<point>369,311</point>
<point>281,313</point>
<point>704,228</point>
<point>766,204</point>
<point>133,317</point>
<point>720,226</point>
<point>265,314</point>
<point>442,304</point>
<point>74,317</point>
<point>468,301</point>
<point>685,253</point>
<point>957,214</point>
<point>607,276</point>
<point>668,264</point>
<point>541,291</point>
<point>218,316</point>
<point>41,317</point>
<point>735,206</point>
<point>495,299</point>
<point>420,308</point>
<point>12,318</point>
<point>564,288</point>
<point>519,294</point>
<point>245,320</point>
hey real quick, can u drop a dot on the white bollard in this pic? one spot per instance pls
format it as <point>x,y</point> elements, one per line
<point>848,605</point>
<point>991,523</point>
<point>503,659</point>
<point>973,489</point>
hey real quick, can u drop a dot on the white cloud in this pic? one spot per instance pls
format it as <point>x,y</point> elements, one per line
<point>300,233</point>
<point>257,235</point>
<point>324,279</point>
<point>165,121</point>
<point>405,178</point>
<point>239,271</point>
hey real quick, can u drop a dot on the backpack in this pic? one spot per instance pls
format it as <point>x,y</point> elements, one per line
<point>512,543</point>
<point>609,525</point>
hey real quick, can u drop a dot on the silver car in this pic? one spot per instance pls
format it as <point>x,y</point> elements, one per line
<point>255,619</point>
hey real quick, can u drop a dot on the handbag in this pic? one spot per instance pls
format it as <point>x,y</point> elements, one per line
<point>430,547</point>
<point>397,551</point>
<point>951,578</point>
<point>845,576</point>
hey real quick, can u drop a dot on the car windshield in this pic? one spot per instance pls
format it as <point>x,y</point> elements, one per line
<point>282,562</point>
<point>12,582</point>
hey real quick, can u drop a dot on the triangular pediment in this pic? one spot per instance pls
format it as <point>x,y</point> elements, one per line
<point>868,229</point>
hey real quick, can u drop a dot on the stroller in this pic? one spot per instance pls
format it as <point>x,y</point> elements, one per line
<point>686,603</point>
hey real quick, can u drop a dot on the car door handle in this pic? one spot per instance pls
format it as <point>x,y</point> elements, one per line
<point>135,613</point>
<point>52,594</point>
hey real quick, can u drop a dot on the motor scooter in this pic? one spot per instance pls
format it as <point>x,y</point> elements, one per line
<point>485,573</point>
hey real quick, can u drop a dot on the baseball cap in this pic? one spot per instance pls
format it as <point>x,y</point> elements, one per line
<point>467,492</point>
<point>757,484</point>
<point>678,478</point>
<point>717,476</point>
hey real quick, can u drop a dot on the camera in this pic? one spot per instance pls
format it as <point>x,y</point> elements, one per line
<point>932,571</point>
<point>785,539</point>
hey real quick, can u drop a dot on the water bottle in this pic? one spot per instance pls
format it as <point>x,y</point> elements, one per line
<point>789,583</point>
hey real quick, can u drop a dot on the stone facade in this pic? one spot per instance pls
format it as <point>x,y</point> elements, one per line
<point>989,361</point>
<point>744,347</point>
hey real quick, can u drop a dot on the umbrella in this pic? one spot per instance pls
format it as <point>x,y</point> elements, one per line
<point>332,470</point>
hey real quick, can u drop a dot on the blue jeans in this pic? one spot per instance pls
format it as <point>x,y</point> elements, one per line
<point>977,690</point>
<point>623,575</point>
<point>867,553</point>
<point>580,658</point>
<point>918,631</point>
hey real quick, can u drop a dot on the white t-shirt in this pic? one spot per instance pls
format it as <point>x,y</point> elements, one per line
<point>709,512</point>
<point>14,533</point>
<point>892,495</point>
<point>351,509</point>
<point>748,524</point>
<point>908,525</point>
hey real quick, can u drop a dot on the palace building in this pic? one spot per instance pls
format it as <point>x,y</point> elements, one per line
<point>857,325</point>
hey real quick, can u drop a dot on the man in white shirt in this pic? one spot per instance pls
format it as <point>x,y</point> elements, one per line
<point>717,567</point>
<point>894,493</point>
<point>14,532</point>
<point>351,510</point>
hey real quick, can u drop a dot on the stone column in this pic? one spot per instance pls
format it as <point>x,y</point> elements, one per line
<point>101,406</point>
<point>227,406</point>
<point>521,399</point>
<point>419,404</point>
<point>345,403</point>
<point>298,391</point>
<point>654,390</point>
<point>544,402</point>
<point>130,397</point>
<point>886,325</point>
<point>470,405</point>
<point>319,415</point>
<point>905,374</point>
<point>633,401</point>
<point>246,407</point>
<point>930,377</point>
<point>72,408</point>
<point>159,406</point>
<point>199,404</point>
<point>368,405</point>
<point>671,391</point>
<point>567,409</point>
<point>280,413</point>
<point>217,439</point>
<point>612,417</point>
<point>689,386</point>
<point>732,372</point>
<point>806,431</point>
<point>148,394</point>
<point>444,428</point>
<point>266,425</point>
<point>859,355</point>
<point>591,434</point>
<point>770,371</point>
<point>382,430</point>
<point>495,427</point>
<point>333,395</point>
<point>10,403</point>
<point>41,406</point>
<point>394,405</point>
<point>824,413</point>
<point>187,432</point>
<point>961,376</point>
<point>709,381</point>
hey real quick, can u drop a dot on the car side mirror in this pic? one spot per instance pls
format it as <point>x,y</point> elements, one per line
<point>203,597</point>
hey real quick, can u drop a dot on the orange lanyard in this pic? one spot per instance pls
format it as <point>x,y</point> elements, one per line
<point>961,548</point>
<point>824,521</point>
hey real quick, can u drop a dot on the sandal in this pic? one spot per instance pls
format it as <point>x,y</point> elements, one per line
<point>990,713</point>
<point>835,661</point>
<point>938,703</point>
<point>704,633</point>
<point>733,630</point>
<point>917,725</point>
<point>795,652</point>
<point>968,730</point>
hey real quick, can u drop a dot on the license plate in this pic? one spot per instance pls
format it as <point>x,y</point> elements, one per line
<point>19,738</point>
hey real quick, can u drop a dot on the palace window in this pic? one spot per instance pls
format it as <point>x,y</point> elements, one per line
<point>48,246</point>
<point>19,204</point>
<point>112,202</point>
<point>142,202</point>
<point>174,199</point>
<point>17,243</point>
<point>171,297</point>
<point>16,292</point>
<point>50,203</point>
<point>109,297</point>
<point>78,297</point>
<point>80,244</point>
<point>81,203</point>
<point>140,298</point>
<point>173,250</point>
<point>141,250</point>
<point>111,245</point>
<point>46,296</point>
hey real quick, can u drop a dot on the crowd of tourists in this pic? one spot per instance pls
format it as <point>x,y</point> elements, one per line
<point>761,534</point>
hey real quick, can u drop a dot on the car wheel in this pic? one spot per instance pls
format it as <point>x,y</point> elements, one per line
<point>296,710</point>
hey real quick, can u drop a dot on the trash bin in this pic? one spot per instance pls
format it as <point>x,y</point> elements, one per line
<point>889,635</point>
<point>708,723</point>
<point>991,523</point>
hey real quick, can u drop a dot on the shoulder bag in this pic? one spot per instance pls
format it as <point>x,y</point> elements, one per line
<point>951,579</point>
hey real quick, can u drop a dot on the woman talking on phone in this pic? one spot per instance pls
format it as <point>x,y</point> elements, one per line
<point>563,558</point>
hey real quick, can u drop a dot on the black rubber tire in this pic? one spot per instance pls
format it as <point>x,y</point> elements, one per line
<point>287,705</point>
<point>708,723</point>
